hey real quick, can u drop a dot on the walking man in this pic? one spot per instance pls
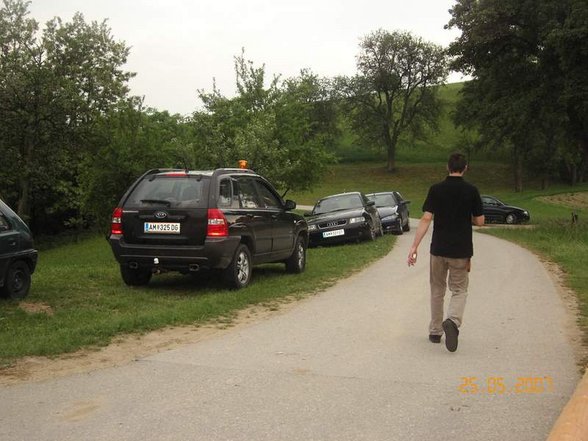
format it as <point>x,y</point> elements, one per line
<point>454,205</point>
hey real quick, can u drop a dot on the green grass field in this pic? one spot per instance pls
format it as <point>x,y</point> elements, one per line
<point>78,298</point>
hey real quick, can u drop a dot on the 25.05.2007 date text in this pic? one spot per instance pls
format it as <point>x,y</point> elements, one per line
<point>497,385</point>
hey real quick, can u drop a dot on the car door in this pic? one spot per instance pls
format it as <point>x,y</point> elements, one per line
<point>282,222</point>
<point>253,213</point>
<point>9,243</point>
<point>492,209</point>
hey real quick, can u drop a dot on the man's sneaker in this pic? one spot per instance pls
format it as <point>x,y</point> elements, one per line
<point>434,338</point>
<point>451,333</point>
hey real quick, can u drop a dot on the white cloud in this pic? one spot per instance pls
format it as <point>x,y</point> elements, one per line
<point>178,46</point>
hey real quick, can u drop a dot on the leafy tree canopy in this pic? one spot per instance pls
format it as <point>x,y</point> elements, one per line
<point>529,91</point>
<point>394,90</point>
<point>54,87</point>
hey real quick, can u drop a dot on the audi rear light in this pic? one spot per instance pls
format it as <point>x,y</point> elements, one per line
<point>217,223</point>
<point>116,223</point>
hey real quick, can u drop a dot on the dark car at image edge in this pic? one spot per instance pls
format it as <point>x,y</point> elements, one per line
<point>18,258</point>
<point>189,221</point>
<point>496,211</point>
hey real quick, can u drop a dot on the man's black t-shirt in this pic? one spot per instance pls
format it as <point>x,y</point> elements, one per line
<point>453,202</point>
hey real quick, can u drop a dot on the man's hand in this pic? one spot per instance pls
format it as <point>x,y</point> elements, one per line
<point>412,256</point>
<point>420,232</point>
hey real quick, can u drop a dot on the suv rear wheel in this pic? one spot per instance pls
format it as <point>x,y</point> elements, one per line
<point>297,261</point>
<point>135,277</point>
<point>238,273</point>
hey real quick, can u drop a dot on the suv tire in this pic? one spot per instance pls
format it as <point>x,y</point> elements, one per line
<point>135,277</point>
<point>18,281</point>
<point>372,233</point>
<point>238,273</point>
<point>297,261</point>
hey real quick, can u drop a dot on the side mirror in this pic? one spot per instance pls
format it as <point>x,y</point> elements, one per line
<point>371,203</point>
<point>290,205</point>
<point>307,214</point>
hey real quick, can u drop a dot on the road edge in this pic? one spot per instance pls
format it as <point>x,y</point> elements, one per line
<point>572,423</point>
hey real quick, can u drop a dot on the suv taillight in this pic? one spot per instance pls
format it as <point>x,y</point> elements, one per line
<point>217,223</point>
<point>116,223</point>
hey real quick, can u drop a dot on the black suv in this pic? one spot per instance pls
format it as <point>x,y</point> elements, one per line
<point>18,259</point>
<point>188,221</point>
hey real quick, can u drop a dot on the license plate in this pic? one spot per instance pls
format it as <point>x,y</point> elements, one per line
<point>333,233</point>
<point>161,227</point>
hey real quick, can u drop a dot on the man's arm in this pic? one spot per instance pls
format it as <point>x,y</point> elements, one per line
<point>418,237</point>
<point>478,221</point>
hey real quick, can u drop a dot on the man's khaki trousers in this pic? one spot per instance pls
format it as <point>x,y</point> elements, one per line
<point>446,271</point>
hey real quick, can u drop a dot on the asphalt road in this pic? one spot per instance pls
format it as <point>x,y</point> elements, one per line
<point>352,363</point>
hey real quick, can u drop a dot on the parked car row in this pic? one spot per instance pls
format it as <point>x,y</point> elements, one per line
<point>343,217</point>
<point>355,216</point>
<point>227,220</point>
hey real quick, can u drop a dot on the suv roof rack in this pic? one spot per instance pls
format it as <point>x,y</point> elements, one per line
<point>222,171</point>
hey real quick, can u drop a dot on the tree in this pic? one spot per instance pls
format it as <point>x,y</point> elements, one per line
<point>53,89</point>
<point>395,88</point>
<point>282,130</point>
<point>570,44</point>
<point>529,88</point>
<point>131,140</point>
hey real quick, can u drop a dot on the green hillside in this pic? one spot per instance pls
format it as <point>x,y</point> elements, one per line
<point>434,147</point>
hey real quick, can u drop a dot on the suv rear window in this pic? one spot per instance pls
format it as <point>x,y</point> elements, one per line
<point>171,191</point>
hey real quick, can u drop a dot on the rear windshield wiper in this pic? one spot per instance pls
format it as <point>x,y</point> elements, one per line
<point>156,201</point>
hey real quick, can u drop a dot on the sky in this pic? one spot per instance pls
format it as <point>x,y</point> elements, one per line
<point>178,47</point>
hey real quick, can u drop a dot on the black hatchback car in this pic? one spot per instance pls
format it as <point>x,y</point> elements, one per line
<point>18,258</point>
<point>393,211</point>
<point>496,211</point>
<point>342,218</point>
<point>188,221</point>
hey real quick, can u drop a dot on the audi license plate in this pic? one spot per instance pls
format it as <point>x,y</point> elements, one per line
<point>162,227</point>
<point>333,233</point>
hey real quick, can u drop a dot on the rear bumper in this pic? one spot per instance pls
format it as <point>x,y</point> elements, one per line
<point>216,253</point>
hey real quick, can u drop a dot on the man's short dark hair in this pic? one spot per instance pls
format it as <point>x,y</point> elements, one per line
<point>457,163</point>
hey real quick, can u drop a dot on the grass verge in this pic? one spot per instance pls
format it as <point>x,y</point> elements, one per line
<point>564,244</point>
<point>78,298</point>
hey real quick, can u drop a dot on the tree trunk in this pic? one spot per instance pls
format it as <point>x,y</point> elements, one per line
<point>581,177</point>
<point>391,166</point>
<point>518,172</point>
<point>391,141</point>
<point>572,172</point>
<point>24,206</point>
